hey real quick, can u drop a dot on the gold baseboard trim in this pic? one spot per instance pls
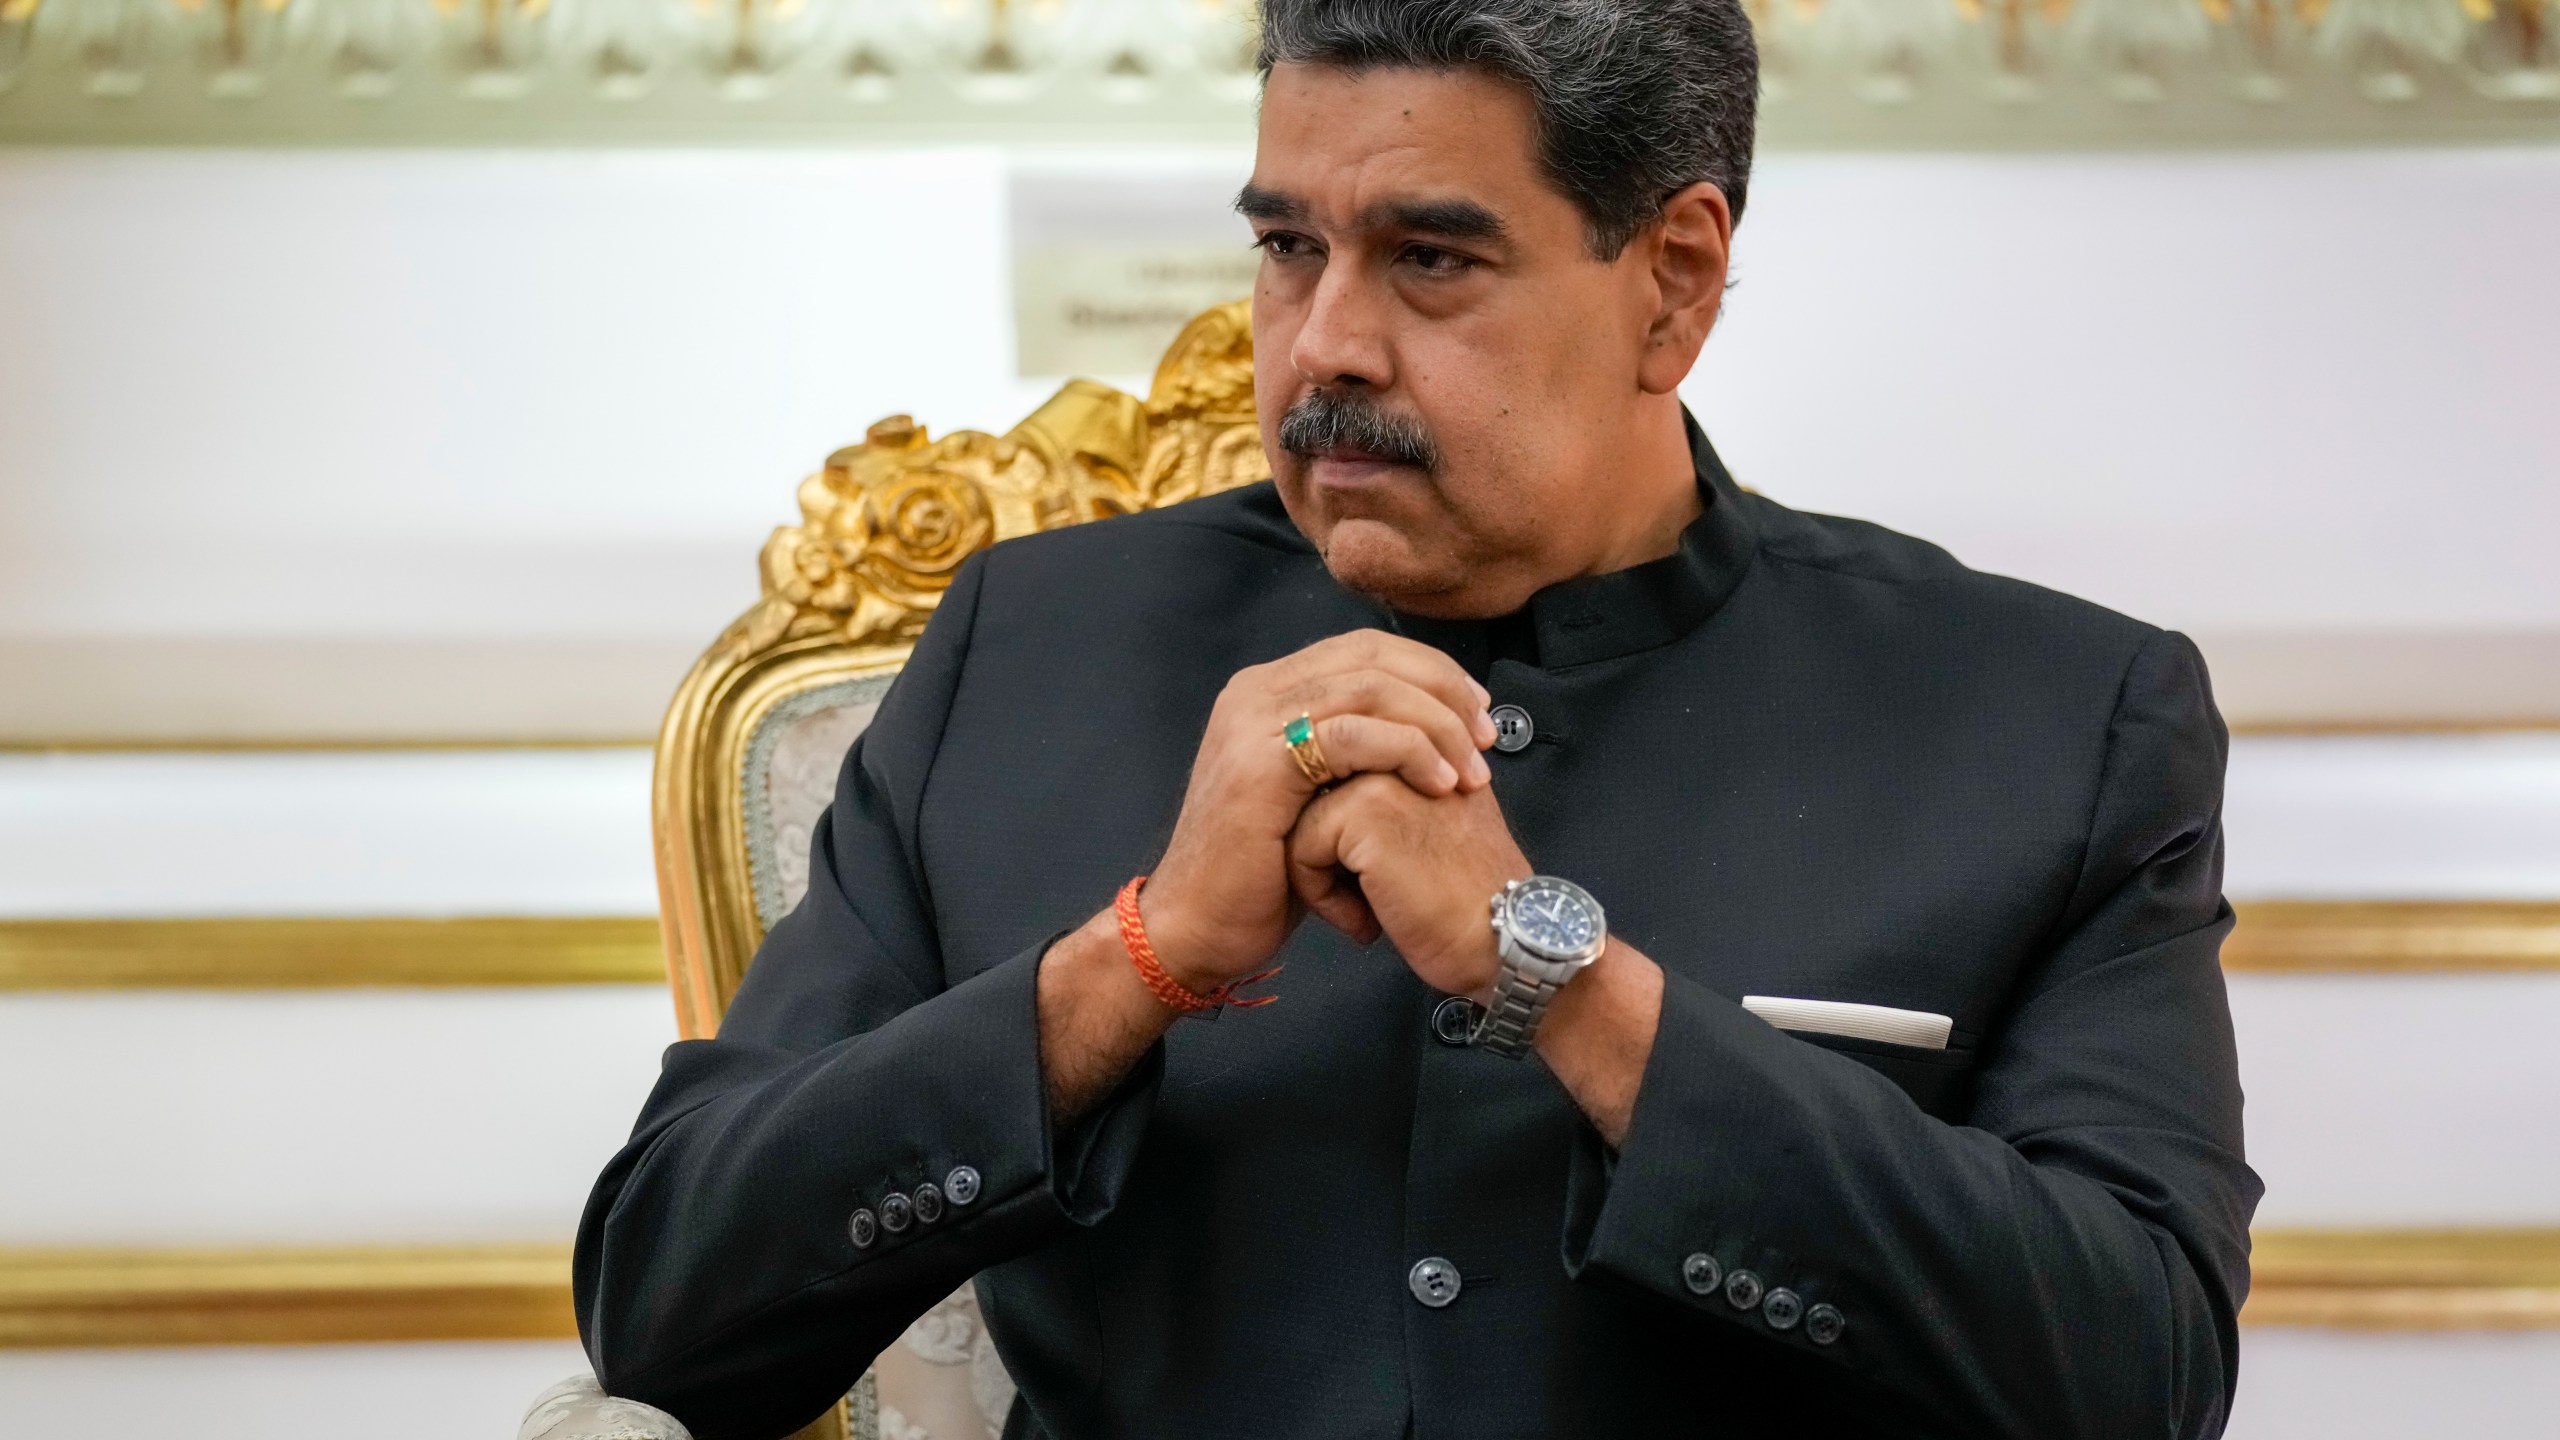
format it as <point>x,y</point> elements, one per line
<point>305,954</point>
<point>2351,936</point>
<point>103,1298</point>
<point>2350,1279</point>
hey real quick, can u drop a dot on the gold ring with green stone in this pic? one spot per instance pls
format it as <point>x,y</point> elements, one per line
<point>1300,736</point>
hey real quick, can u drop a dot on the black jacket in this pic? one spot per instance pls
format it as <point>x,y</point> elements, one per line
<point>1802,757</point>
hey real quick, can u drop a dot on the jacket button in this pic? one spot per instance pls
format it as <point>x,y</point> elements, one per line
<point>1453,1021</point>
<point>1822,1324</point>
<point>928,1203</point>
<point>1512,729</point>
<point>897,1212</point>
<point>961,1185</point>
<point>1433,1281</point>
<point>1741,1288</point>
<point>1782,1309</point>
<point>1701,1273</point>
<point>864,1227</point>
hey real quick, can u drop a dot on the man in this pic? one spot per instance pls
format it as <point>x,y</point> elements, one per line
<point>1503,618</point>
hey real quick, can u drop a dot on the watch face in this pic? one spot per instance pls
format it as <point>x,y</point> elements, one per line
<point>1554,918</point>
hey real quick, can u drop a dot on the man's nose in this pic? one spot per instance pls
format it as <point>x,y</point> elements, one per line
<point>1342,340</point>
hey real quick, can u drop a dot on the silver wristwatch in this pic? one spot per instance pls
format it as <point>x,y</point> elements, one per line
<point>1546,930</point>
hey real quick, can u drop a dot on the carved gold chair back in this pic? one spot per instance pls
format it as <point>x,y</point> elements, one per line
<point>747,758</point>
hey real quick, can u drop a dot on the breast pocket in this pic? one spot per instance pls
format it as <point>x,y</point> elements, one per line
<point>1938,1081</point>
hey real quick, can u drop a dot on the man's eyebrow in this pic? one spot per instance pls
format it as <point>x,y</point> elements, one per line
<point>1255,203</point>
<point>1450,219</point>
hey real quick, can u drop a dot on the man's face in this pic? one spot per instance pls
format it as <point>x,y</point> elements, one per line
<point>1439,362</point>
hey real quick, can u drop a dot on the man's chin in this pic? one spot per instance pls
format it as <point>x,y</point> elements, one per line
<point>1379,561</point>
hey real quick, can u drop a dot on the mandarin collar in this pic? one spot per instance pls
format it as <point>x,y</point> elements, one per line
<point>1603,617</point>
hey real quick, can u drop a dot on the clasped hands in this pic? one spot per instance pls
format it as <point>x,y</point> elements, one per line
<point>1408,842</point>
<point>1405,841</point>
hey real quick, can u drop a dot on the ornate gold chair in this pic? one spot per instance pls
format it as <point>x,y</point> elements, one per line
<point>748,756</point>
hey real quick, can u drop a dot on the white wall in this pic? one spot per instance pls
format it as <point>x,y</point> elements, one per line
<point>2223,392</point>
<point>322,442</point>
<point>332,1392</point>
<point>478,443</point>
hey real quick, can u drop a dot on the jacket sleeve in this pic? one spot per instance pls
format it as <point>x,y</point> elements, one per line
<point>2069,1263</point>
<point>716,1273</point>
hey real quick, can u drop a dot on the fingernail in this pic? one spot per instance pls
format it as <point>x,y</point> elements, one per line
<point>1448,776</point>
<point>1482,771</point>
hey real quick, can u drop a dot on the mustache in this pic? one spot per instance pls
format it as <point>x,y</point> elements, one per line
<point>1351,420</point>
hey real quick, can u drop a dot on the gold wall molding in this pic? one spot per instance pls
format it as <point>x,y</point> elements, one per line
<point>316,954</point>
<point>258,1296</point>
<point>2274,936</point>
<point>636,740</point>
<point>2406,1279</point>
<point>2384,729</point>
<point>313,744</point>
<point>2349,1279</point>
<point>2393,936</point>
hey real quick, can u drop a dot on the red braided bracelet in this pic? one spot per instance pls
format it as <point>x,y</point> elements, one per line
<point>1176,996</point>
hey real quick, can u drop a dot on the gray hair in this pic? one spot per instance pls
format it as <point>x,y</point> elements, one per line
<point>1635,99</point>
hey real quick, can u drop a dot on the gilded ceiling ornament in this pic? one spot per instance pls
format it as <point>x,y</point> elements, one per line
<point>2133,42</point>
<point>2381,41</point>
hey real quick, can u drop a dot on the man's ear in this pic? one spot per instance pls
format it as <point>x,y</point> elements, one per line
<point>1688,248</point>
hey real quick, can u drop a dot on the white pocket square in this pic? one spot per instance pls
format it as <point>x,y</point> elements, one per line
<point>1916,1028</point>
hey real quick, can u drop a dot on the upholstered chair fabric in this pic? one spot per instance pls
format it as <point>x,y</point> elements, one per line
<point>580,1410</point>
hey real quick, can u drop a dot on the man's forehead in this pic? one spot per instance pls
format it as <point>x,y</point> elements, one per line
<point>1447,151</point>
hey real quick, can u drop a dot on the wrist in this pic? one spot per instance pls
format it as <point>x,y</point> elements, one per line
<point>1599,1035</point>
<point>1185,960</point>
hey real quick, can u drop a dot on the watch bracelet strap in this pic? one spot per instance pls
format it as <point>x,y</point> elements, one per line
<point>1510,1024</point>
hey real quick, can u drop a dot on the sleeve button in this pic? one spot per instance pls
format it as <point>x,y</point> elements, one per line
<point>1782,1309</point>
<point>1742,1290</point>
<point>961,1185</point>
<point>864,1227</point>
<point>1701,1273</point>
<point>897,1212</point>
<point>928,1203</point>
<point>1822,1324</point>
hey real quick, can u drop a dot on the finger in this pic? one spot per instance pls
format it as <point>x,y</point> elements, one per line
<point>1364,744</point>
<point>1393,700</point>
<point>1316,875</point>
<point>1413,662</point>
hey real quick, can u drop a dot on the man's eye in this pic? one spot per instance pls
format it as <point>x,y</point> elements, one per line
<point>1432,260</point>
<point>1280,243</point>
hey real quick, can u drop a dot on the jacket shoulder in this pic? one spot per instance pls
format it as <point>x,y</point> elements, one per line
<point>1932,581</point>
